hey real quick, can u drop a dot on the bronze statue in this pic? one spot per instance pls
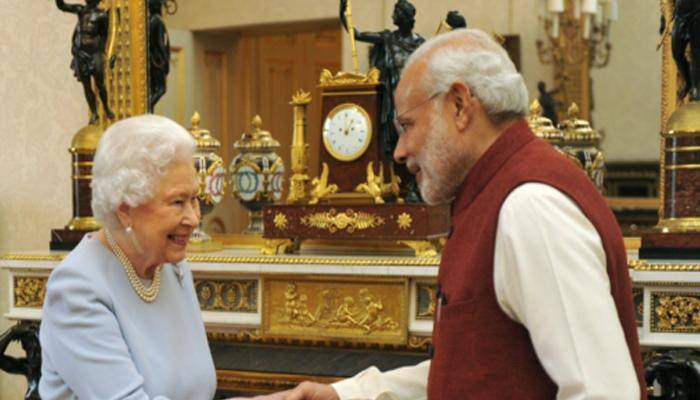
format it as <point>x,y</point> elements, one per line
<point>158,52</point>
<point>89,44</point>
<point>547,102</point>
<point>455,20</point>
<point>388,54</point>
<point>27,333</point>
<point>686,32</point>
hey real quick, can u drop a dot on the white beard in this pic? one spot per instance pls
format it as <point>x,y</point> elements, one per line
<point>442,167</point>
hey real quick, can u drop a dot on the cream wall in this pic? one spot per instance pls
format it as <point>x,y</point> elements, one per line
<point>627,109</point>
<point>42,106</point>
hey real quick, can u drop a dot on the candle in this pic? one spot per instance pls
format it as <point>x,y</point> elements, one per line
<point>555,6</point>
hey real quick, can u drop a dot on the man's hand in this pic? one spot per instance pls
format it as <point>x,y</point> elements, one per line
<point>312,391</point>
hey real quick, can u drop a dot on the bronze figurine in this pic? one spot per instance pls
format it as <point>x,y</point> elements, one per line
<point>686,33</point>
<point>158,51</point>
<point>27,334</point>
<point>547,102</point>
<point>389,53</point>
<point>89,43</point>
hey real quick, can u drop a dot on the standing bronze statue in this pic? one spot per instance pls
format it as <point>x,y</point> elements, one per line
<point>388,54</point>
<point>89,45</point>
<point>27,333</point>
<point>547,102</point>
<point>686,32</point>
<point>158,51</point>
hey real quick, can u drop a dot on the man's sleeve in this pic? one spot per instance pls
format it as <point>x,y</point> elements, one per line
<point>550,275</point>
<point>406,383</point>
<point>82,338</point>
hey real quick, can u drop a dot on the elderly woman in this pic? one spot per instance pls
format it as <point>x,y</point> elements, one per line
<point>121,319</point>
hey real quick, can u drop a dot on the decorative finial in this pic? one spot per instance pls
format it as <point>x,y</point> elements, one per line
<point>301,97</point>
<point>536,108</point>
<point>257,123</point>
<point>195,120</point>
<point>573,111</point>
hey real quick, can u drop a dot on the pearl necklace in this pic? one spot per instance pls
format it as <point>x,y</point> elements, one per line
<point>146,294</point>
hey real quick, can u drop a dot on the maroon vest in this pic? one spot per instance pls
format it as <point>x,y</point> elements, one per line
<point>479,352</point>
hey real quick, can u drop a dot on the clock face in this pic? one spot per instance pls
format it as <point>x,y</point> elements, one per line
<point>347,132</point>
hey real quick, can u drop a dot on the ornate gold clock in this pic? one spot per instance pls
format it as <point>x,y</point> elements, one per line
<point>350,114</point>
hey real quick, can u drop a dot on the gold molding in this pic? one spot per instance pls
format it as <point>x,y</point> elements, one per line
<point>682,149</point>
<point>643,265</point>
<point>685,224</point>
<point>264,382</point>
<point>29,291</point>
<point>367,261</point>
<point>32,257</point>
<point>349,220</point>
<point>414,343</point>
<point>681,166</point>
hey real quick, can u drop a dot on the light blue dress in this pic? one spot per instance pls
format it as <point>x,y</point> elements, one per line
<point>99,340</point>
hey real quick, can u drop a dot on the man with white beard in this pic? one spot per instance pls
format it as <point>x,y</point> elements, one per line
<point>534,298</point>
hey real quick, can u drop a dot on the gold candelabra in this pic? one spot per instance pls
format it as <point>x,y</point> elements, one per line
<point>299,182</point>
<point>577,40</point>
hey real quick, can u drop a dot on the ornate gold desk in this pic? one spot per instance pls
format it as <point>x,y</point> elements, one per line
<point>273,321</point>
<point>276,320</point>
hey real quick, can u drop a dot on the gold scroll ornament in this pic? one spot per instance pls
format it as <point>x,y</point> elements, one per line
<point>333,221</point>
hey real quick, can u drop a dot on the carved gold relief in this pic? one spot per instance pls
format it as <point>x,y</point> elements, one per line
<point>277,246</point>
<point>29,291</point>
<point>332,221</point>
<point>421,248</point>
<point>675,312</point>
<point>404,220</point>
<point>349,78</point>
<point>227,295</point>
<point>425,300</point>
<point>320,188</point>
<point>348,309</point>
<point>638,298</point>
<point>280,221</point>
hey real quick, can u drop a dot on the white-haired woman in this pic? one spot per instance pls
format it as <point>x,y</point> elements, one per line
<point>121,318</point>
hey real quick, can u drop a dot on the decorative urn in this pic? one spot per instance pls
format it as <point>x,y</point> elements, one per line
<point>581,143</point>
<point>257,173</point>
<point>211,175</point>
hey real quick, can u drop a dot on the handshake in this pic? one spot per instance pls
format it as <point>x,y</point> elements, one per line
<point>304,391</point>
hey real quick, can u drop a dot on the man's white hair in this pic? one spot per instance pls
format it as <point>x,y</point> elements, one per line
<point>132,157</point>
<point>473,57</point>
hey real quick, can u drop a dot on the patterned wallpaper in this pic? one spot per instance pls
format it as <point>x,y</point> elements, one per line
<point>41,107</point>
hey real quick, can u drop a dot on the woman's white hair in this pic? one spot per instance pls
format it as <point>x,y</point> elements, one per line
<point>476,59</point>
<point>132,157</point>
